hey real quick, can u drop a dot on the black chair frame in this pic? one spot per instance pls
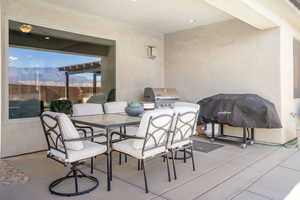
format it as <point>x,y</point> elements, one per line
<point>162,142</point>
<point>183,136</point>
<point>58,144</point>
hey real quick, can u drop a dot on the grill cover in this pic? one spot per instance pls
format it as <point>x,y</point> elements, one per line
<point>239,110</point>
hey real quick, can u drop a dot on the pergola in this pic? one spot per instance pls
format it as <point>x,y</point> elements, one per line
<point>91,67</point>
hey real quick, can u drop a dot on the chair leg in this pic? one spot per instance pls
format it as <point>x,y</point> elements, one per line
<point>76,182</point>
<point>139,165</point>
<point>192,154</point>
<point>125,131</point>
<point>110,164</point>
<point>173,162</point>
<point>168,167</point>
<point>74,173</point>
<point>145,177</point>
<point>120,155</point>
<point>120,159</point>
<point>184,155</point>
<point>108,171</point>
<point>92,165</point>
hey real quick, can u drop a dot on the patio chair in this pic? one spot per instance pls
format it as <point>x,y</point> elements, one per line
<point>189,105</point>
<point>150,141</point>
<point>67,147</point>
<point>115,107</point>
<point>183,129</point>
<point>85,109</point>
<point>89,109</point>
<point>119,107</point>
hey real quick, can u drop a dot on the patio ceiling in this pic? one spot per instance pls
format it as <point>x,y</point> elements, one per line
<point>163,16</point>
<point>174,15</point>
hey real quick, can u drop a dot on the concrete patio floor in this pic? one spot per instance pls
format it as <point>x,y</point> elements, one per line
<point>259,172</point>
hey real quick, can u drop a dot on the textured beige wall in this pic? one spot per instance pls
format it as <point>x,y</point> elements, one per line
<point>296,49</point>
<point>1,66</point>
<point>228,57</point>
<point>296,68</point>
<point>134,70</point>
<point>108,72</point>
<point>287,84</point>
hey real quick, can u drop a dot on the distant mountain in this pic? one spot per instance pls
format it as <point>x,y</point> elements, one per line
<point>20,74</point>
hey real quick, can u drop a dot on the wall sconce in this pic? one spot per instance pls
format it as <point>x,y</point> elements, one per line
<point>151,52</point>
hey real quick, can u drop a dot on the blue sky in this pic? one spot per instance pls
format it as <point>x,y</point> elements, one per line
<point>33,58</point>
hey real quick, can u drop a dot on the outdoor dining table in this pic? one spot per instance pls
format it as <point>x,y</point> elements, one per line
<point>108,122</point>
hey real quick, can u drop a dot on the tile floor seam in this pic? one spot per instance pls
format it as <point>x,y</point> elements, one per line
<point>161,194</point>
<point>134,185</point>
<point>237,194</point>
<point>210,171</point>
<point>171,189</point>
<point>268,171</point>
<point>235,174</point>
<point>165,198</point>
<point>296,170</point>
<point>244,189</point>
<point>258,194</point>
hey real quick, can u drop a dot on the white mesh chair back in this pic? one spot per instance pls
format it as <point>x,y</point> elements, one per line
<point>115,107</point>
<point>85,109</point>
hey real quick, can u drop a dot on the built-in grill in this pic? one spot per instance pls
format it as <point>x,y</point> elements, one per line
<point>161,96</point>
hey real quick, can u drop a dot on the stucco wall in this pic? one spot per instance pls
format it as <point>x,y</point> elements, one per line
<point>228,57</point>
<point>1,66</point>
<point>296,68</point>
<point>287,84</point>
<point>133,70</point>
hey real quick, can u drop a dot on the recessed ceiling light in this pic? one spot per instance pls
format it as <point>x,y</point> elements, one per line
<point>25,28</point>
<point>133,0</point>
<point>47,38</point>
<point>192,21</point>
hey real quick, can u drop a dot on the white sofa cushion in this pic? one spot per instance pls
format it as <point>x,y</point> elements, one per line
<point>67,129</point>
<point>141,132</point>
<point>85,109</point>
<point>115,107</point>
<point>126,146</point>
<point>90,149</point>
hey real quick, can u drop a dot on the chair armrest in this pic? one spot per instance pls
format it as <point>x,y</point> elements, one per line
<point>83,128</point>
<point>127,136</point>
<point>84,138</point>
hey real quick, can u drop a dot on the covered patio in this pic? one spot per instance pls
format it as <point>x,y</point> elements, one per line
<point>130,63</point>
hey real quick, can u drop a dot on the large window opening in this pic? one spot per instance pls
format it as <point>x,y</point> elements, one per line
<point>47,65</point>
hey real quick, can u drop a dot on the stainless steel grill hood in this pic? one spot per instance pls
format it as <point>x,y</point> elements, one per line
<point>161,96</point>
